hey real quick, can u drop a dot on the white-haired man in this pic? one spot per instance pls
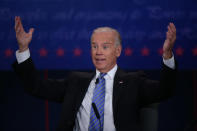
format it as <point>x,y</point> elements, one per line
<point>108,99</point>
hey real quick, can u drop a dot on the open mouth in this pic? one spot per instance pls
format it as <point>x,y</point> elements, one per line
<point>100,59</point>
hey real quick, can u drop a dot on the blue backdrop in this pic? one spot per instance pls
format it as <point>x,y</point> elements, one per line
<point>61,41</point>
<point>63,27</point>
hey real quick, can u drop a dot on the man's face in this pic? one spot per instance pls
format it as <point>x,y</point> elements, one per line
<point>104,52</point>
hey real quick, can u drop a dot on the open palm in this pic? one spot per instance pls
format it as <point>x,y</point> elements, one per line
<point>170,41</point>
<point>23,38</point>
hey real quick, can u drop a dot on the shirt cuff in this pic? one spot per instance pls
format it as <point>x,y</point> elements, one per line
<point>22,56</point>
<point>170,62</point>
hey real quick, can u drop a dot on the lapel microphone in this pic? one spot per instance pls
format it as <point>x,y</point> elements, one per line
<point>97,114</point>
<point>97,81</point>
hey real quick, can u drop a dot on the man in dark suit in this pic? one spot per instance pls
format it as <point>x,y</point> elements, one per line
<point>117,95</point>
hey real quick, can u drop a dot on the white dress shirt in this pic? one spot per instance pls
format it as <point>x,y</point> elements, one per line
<point>83,115</point>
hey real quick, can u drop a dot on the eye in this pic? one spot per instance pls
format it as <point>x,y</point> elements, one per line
<point>94,46</point>
<point>105,46</point>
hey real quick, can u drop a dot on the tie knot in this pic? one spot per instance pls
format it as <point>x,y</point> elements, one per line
<point>102,75</point>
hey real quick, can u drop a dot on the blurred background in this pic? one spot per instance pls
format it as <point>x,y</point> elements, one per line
<point>61,43</point>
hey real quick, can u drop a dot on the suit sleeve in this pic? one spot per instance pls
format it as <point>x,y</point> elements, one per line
<point>152,91</point>
<point>46,89</point>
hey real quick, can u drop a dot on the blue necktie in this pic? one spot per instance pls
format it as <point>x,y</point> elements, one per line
<point>99,100</point>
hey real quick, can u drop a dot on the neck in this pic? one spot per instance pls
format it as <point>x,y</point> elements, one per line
<point>107,70</point>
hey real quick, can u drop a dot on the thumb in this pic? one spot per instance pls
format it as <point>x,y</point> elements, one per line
<point>31,31</point>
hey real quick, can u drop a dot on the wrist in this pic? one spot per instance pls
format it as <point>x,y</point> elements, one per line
<point>167,55</point>
<point>22,49</point>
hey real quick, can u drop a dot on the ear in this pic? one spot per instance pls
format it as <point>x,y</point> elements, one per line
<point>118,50</point>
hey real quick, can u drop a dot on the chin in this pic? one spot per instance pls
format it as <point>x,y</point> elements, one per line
<point>100,68</point>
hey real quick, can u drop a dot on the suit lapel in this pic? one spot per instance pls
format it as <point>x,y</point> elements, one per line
<point>117,88</point>
<point>86,82</point>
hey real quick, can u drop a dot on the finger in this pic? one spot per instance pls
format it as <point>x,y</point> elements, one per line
<point>16,23</point>
<point>18,28</point>
<point>31,31</point>
<point>20,24</point>
<point>173,28</point>
<point>172,25</point>
<point>171,35</point>
<point>168,35</point>
<point>170,30</point>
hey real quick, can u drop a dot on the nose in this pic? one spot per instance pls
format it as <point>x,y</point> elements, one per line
<point>99,51</point>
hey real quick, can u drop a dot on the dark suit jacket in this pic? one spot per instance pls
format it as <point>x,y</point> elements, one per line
<point>131,91</point>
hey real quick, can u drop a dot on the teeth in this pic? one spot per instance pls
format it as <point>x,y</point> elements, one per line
<point>100,59</point>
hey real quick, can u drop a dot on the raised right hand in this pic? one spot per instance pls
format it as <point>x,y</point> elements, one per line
<point>22,37</point>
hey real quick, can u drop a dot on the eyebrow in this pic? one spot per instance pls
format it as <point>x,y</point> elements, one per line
<point>106,43</point>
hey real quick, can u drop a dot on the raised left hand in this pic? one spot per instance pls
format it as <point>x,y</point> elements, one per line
<point>169,42</point>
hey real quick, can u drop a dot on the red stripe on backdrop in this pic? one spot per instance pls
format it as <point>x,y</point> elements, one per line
<point>195,96</point>
<point>46,106</point>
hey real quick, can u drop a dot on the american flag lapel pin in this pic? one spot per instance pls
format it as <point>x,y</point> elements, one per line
<point>120,82</point>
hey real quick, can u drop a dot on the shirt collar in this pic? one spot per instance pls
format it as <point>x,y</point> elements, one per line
<point>110,74</point>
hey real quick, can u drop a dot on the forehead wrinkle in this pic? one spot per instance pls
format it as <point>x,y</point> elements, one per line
<point>107,43</point>
<point>104,43</point>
